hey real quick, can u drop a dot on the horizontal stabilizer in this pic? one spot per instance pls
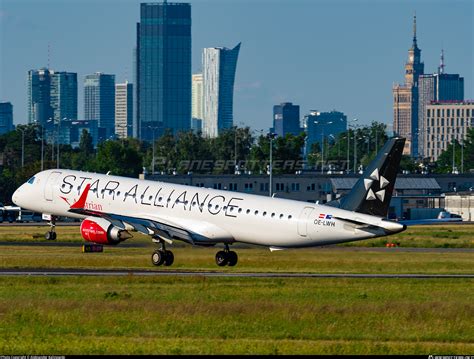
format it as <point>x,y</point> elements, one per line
<point>425,222</point>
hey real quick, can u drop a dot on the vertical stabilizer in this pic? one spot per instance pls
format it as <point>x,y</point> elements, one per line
<point>373,191</point>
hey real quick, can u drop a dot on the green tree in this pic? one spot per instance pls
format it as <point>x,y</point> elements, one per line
<point>231,147</point>
<point>82,159</point>
<point>191,150</point>
<point>408,164</point>
<point>120,160</point>
<point>286,154</point>
<point>166,158</point>
<point>463,155</point>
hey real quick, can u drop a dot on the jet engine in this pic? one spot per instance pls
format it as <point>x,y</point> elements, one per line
<point>100,230</point>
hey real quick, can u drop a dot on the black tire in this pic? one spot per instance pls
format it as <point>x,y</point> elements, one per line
<point>222,259</point>
<point>54,234</point>
<point>48,236</point>
<point>233,258</point>
<point>157,258</point>
<point>169,258</point>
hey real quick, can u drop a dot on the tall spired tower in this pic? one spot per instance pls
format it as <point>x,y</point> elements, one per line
<point>405,99</point>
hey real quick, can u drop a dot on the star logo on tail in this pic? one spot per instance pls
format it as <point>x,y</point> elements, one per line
<point>383,182</point>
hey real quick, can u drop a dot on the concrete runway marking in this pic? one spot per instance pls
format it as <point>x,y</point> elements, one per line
<point>101,272</point>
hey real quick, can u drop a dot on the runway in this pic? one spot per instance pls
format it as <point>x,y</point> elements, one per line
<point>184,273</point>
<point>132,244</point>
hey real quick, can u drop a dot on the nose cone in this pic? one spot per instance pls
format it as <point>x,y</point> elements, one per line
<point>17,197</point>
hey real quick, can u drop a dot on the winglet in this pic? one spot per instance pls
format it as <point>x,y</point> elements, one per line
<point>82,200</point>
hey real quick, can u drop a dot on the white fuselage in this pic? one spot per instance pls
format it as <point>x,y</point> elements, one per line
<point>219,216</point>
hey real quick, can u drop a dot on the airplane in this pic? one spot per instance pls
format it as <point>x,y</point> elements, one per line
<point>112,207</point>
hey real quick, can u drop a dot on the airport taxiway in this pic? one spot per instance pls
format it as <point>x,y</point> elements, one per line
<point>184,273</point>
<point>132,244</point>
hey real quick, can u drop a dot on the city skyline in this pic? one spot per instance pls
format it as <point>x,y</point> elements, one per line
<point>318,62</point>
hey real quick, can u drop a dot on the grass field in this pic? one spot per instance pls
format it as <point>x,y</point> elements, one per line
<point>201,315</point>
<point>235,316</point>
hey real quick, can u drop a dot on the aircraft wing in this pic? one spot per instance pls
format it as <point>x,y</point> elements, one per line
<point>191,231</point>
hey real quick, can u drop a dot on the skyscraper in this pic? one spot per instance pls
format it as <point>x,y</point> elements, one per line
<point>63,95</point>
<point>99,103</point>
<point>39,100</point>
<point>405,99</point>
<point>286,119</point>
<point>163,68</point>
<point>219,65</point>
<point>52,98</point>
<point>124,110</point>
<point>6,117</point>
<point>197,100</point>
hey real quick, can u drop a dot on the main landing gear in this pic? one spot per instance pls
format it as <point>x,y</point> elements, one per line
<point>51,235</point>
<point>226,257</point>
<point>162,256</point>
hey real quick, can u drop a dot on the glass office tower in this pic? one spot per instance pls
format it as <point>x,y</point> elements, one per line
<point>39,100</point>
<point>219,66</point>
<point>6,117</point>
<point>63,95</point>
<point>286,119</point>
<point>163,69</point>
<point>99,103</point>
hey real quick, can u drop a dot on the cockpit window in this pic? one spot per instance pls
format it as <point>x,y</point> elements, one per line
<point>31,180</point>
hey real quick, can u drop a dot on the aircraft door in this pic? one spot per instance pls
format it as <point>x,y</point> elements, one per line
<point>49,185</point>
<point>303,221</point>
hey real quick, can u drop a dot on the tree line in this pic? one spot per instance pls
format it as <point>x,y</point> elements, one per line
<point>237,150</point>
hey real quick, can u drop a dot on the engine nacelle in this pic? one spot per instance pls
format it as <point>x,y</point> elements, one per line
<point>99,230</point>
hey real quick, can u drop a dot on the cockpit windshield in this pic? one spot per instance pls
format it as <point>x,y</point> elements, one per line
<point>31,180</point>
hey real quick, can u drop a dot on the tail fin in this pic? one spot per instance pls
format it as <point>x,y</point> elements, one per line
<point>373,191</point>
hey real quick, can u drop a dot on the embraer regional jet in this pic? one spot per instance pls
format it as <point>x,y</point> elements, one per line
<point>112,207</point>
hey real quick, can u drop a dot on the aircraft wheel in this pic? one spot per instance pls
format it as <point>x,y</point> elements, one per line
<point>50,236</point>
<point>221,258</point>
<point>157,258</point>
<point>233,258</point>
<point>169,258</point>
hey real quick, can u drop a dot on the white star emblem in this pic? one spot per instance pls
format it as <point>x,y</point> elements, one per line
<point>383,182</point>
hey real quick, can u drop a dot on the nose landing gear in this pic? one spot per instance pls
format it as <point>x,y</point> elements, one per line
<point>51,235</point>
<point>226,257</point>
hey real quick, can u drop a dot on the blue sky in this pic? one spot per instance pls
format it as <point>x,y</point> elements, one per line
<point>323,55</point>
